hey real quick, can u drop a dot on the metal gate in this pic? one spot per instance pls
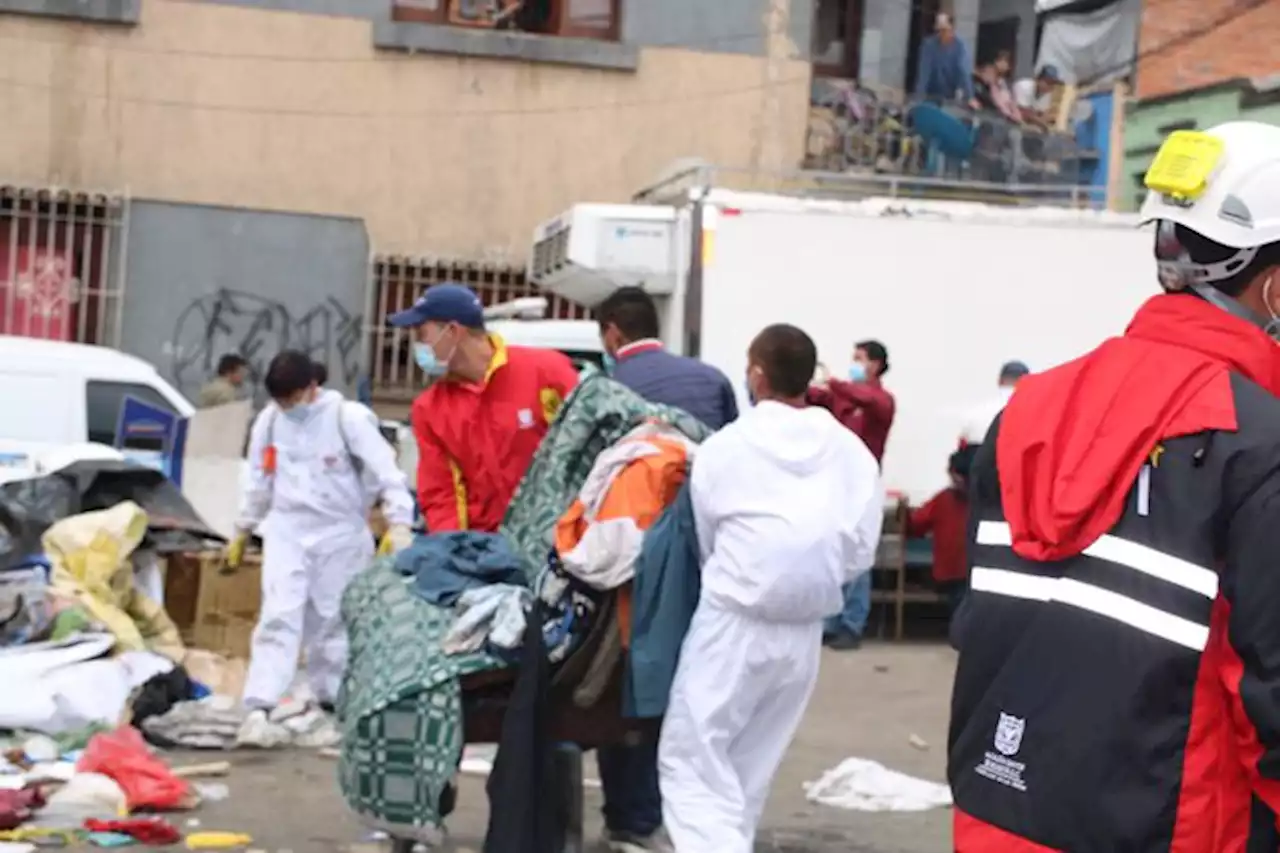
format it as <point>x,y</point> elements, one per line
<point>62,264</point>
<point>397,281</point>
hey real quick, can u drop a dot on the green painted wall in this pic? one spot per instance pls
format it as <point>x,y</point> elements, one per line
<point>1205,108</point>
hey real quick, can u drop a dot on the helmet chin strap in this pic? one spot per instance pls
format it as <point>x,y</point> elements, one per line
<point>1237,309</point>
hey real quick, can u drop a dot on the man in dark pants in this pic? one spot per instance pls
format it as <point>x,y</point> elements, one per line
<point>636,357</point>
<point>866,407</point>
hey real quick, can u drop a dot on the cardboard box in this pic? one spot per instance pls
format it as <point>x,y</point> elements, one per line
<point>214,611</point>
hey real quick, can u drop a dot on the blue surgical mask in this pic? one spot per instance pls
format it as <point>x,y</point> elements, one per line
<point>751,395</point>
<point>857,372</point>
<point>425,357</point>
<point>610,364</point>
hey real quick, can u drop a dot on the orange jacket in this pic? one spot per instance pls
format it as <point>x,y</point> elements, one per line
<point>600,536</point>
<point>475,441</point>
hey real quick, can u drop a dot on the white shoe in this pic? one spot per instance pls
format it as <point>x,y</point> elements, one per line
<point>258,732</point>
<point>313,730</point>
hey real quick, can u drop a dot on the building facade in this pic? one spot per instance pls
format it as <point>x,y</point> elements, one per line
<point>445,139</point>
<point>1200,63</point>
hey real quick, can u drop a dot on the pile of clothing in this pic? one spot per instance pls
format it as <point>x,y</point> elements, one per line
<point>597,544</point>
<point>570,543</point>
<point>82,626</point>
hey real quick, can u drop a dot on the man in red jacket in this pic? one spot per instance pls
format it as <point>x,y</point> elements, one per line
<point>1118,686</point>
<point>864,406</point>
<point>480,421</point>
<point>862,403</point>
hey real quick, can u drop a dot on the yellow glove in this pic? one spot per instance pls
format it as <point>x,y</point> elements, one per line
<point>233,556</point>
<point>396,539</point>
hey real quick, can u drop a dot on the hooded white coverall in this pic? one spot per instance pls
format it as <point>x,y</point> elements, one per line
<point>788,506</point>
<point>312,514</point>
<point>977,419</point>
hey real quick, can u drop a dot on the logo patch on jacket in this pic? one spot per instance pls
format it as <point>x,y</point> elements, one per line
<point>1009,731</point>
<point>524,418</point>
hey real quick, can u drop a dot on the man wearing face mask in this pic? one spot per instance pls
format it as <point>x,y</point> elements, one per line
<point>866,408</point>
<point>1119,646</point>
<point>862,404</point>
<point>787,506</point>
<point>317,466</point>
<point>486,410</point>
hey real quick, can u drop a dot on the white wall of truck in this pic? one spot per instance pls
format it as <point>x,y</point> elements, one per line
<point>954,290</point>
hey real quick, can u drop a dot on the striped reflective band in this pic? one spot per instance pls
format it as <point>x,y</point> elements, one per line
<point>1113,549</point>
<point>1097,600</point>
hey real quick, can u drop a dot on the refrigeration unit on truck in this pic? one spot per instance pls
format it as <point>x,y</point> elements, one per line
<point>953,290</point>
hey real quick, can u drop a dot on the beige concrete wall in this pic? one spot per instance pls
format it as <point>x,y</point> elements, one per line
<point>439,154</point>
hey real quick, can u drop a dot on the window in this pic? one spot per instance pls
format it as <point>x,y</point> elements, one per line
<point>596,19</point>
<point>421,11</point>
<point>103,402</point>
<point>837,37</point>
<point>593,19</point>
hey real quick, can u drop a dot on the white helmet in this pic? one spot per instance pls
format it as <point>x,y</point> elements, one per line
<point>1223,184</point>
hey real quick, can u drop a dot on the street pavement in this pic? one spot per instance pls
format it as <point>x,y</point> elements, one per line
<point>886,702</point>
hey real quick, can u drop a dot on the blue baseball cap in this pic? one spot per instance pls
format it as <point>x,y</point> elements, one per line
<point>443,303</point>
<point>1013,370</point>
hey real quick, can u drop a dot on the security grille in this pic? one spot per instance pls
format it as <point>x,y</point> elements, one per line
<point>398,281</point>
<point>61,264</point>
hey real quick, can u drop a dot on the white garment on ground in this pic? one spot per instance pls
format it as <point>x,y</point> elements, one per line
<point>788,506</point>
<point>862,785</point>
<point>313,517</point>
<point>977,420</point>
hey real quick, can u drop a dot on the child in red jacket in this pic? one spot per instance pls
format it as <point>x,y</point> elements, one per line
<point>946,516</point>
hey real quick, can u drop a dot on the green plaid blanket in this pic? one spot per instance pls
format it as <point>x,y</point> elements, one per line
<point>401,706</point>
<point>596,415</point>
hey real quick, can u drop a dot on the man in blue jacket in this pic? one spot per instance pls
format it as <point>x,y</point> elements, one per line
<point>945,71</point>
<point>635,357</point>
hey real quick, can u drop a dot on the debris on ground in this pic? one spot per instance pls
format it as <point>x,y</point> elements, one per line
<point>860,784</point>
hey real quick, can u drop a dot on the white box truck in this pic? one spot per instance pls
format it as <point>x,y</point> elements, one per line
<point>953,289</point>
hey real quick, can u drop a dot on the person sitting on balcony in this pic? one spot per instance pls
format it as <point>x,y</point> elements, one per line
<point>945,70</point>
<point>991,87</point>
<point>1035,96</point>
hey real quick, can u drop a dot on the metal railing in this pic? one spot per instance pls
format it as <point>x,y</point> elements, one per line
<point>397,281</point>
<point>873,137</point>
<point>62,264</point>
<point>855,186</point>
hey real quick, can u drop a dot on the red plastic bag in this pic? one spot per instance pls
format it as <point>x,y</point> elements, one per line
<point>18,807</point>
<point>146,781</point>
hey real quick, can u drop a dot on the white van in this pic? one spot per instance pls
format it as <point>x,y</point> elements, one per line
<point>58,396</point>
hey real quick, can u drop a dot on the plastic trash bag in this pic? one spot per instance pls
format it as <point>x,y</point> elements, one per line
<point>147,782</point>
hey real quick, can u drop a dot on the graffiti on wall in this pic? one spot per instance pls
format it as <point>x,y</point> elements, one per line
<point>255,327</point>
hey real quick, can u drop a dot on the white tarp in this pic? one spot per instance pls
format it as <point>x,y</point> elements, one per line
<point>1091,47</point>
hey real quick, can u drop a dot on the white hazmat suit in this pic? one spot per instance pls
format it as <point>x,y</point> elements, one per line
<point>312,514</point>
<point>788,507</point>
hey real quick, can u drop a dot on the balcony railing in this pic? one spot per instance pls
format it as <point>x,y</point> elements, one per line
<point>887,143</point>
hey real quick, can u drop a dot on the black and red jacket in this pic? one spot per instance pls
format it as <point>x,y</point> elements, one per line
<point>1118,687</point>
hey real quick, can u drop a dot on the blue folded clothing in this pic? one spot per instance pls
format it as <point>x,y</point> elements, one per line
<point>445,565</point>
